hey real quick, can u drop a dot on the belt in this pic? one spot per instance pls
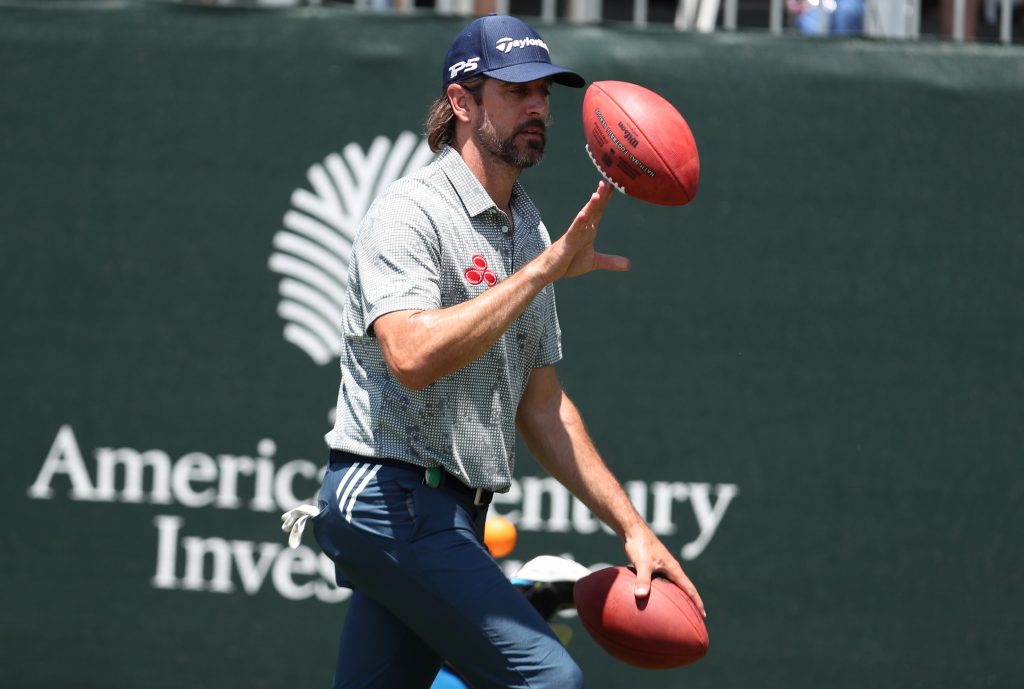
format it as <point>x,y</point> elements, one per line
<point>435,477</point>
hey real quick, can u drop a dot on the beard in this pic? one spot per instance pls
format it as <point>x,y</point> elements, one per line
<point>508,150</point>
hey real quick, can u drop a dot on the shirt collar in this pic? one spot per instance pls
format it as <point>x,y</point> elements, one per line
<point>467,186</point>
<point>474,197</point>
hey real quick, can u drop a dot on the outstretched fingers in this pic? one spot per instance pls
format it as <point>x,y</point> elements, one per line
<point>611,262</point>
<point>584,231</point>
<point>593,209</point>
<point>573,254</point>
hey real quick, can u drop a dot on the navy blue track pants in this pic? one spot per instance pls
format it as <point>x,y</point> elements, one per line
<point>426,589</point>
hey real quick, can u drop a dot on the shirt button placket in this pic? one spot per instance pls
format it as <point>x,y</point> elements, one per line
<point>506,245</point>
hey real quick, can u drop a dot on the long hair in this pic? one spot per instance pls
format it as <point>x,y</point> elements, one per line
<point>440,124</point>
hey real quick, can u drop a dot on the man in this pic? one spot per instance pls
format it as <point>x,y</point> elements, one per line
<point>450,341</point>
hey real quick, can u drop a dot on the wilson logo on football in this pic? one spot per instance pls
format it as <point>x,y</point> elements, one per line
<point>479,272</point>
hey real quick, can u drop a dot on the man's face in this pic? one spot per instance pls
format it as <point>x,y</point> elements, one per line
<point>511,123</point>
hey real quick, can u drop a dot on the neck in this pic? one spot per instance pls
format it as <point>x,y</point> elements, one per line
<point>496,176</point>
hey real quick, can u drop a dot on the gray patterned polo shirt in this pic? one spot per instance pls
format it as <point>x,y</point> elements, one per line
<point>429,241</point>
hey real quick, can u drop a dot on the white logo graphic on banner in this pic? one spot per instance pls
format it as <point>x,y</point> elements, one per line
<point>313,250</point>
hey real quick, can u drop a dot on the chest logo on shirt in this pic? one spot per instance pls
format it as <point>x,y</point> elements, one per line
<point>479,272</point>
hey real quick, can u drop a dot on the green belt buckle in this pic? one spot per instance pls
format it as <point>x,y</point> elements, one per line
<point>432,477</point>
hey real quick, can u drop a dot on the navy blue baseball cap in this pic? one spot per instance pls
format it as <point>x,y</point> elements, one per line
<point>504,48</point>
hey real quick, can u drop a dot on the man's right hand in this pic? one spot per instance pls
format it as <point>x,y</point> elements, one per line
<point>573,254</point>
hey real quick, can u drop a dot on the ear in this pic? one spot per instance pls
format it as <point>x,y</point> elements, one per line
<point>461,101</point>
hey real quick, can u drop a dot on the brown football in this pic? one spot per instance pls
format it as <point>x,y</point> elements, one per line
<point>663,631</point>
<point>640,143</point>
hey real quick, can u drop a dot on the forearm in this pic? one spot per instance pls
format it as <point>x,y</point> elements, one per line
<point>428,345</point>
<point>559,441</point>
<point>552,428</point>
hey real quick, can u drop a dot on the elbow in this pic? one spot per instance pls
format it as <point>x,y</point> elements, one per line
<point>406,351</point>
<point>412,379</point>
<point>409,370</point>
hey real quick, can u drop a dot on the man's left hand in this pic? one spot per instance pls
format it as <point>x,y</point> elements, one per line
<point>650,556</point>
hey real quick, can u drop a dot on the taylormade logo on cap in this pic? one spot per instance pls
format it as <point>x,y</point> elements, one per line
<point>506,44</point>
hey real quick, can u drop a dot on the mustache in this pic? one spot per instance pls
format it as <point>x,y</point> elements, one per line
<point>536,123</point>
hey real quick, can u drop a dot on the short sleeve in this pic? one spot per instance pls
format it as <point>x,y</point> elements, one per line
<point>398,253</point>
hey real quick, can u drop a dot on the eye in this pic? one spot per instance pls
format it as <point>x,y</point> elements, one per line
<point>524,90</point>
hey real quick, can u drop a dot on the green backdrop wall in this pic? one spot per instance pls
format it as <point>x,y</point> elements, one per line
<point>811,382</point>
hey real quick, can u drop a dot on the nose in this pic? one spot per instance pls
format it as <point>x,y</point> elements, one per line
<point>537,103</point>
